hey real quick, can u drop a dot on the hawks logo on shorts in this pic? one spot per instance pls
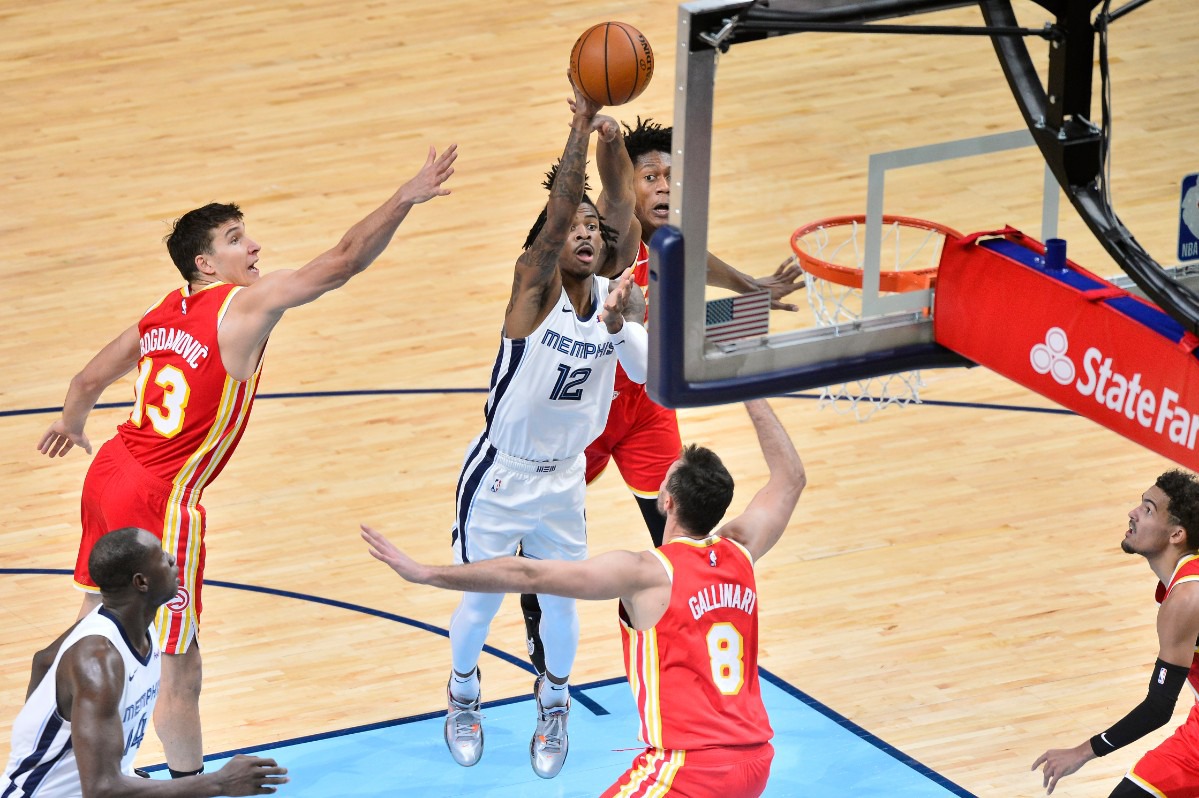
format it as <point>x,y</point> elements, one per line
<point>181,601</point>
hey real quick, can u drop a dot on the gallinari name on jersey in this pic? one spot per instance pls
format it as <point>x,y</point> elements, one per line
<point>580,349</point>
<point>168,339</point>
<point>712,597</point>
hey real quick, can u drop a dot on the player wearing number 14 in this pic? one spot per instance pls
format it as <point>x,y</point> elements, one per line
<point>198,353</point>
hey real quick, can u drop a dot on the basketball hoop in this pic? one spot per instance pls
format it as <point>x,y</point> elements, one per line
<point>831,252</point>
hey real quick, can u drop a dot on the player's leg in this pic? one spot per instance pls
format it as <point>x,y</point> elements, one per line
<point>561,535</point>
<point>530,608</point>
<point>655,521</point>
<point>598,455</point>
<point>177,711</point>
<point>644,455</point>
<point>488,523</point>
<point>1128,789</point>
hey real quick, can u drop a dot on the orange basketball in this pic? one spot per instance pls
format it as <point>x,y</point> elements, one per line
<point>611,63</point>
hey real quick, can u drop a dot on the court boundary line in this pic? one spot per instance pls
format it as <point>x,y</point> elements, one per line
<point>34,411</point>
<point>579,696</point>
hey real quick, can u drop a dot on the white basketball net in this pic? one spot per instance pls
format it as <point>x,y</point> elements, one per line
<point>833,303</point>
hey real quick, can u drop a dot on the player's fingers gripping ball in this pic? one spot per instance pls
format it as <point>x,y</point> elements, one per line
<point>611,63</point>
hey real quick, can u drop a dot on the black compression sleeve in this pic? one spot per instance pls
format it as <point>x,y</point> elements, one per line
<point>1154,712</point>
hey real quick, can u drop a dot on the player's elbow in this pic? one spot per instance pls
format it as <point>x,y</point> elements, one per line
<point>106,786</point>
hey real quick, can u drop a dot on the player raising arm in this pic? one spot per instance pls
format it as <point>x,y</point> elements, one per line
<point>699,697</point>
<point>199,353</point>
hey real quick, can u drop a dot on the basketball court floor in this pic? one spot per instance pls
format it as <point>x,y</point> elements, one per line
<point>949,600</point>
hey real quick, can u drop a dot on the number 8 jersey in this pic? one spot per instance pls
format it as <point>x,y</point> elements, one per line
<point>188,413</point>
<point>694,675</point>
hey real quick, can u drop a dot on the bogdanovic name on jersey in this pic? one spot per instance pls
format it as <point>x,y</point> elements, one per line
<point>726,594</point>
<point>579,349</point>
<point>168,339</point>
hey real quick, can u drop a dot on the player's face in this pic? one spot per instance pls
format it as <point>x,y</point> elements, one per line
<point>1149,525</point>
<point>160,570</point>
<point>652,172</point>
<point>584,244</point>
<point>234,254</point>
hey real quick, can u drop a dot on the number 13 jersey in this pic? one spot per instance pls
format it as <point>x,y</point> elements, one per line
<point>188,413</point>
<point>694,675</point>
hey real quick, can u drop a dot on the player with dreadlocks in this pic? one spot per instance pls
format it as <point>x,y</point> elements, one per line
<point>522,480</point>
<point>641,435</point>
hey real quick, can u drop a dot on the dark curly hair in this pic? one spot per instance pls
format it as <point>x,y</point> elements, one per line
<point>607,234</point>
<point>1182,488</point>
<point>647,136</point>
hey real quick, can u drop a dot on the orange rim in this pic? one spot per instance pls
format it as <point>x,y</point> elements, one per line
<point>889,280</point>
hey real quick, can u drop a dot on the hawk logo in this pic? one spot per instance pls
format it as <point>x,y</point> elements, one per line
<point>181,602</point>
<point>1050,357</point>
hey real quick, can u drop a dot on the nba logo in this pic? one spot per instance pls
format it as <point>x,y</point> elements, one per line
<point>712,559</point>
<point>1188,219</point>
<point>495,486</point>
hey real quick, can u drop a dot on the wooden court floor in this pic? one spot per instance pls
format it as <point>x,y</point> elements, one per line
<point>951,580</point>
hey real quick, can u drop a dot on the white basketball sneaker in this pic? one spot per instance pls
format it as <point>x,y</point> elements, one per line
<point>464,730</point>
<point>550,743</point>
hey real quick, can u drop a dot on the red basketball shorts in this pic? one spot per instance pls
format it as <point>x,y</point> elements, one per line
<point>1172,769</point>
<point>729,772</point>
<point>641,436</point>
<point>117,493</point>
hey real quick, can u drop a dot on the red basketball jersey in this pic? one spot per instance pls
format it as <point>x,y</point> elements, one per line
<point>641,277</point>
<point>694,675</point>
<point>188,413</point>
<point>1187,570</point>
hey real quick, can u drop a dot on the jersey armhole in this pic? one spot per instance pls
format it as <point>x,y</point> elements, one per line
<point>665,564</point>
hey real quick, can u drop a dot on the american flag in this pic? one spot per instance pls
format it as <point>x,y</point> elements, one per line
<point>741,316</point>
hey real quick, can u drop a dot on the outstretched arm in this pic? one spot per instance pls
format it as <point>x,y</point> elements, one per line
<point>91,677</point>
<point>536,283</point>
<point>786,279</point>
<point>109,365</point>
<point>767,515</point>
<point>256,309</point>
<point>616,574</point>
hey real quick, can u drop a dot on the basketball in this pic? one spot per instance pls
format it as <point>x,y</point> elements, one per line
<point>611,63</point>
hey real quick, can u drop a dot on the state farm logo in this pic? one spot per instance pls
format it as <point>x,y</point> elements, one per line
<point>1154,408</point>
<point>1050,357</point>
<point>182,600</point>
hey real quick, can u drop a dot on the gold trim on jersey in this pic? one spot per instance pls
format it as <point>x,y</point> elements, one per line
<point>1144,785</point>
<point>1183,561</point>
<point>671,763</point>
<point>644,662</point>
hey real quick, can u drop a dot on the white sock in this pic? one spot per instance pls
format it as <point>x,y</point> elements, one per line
<point>553,695</point>
<point>465,690</point>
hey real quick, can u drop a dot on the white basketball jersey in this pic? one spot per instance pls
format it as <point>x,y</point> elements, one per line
<point>550,392</point>
<point>43,759</point>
